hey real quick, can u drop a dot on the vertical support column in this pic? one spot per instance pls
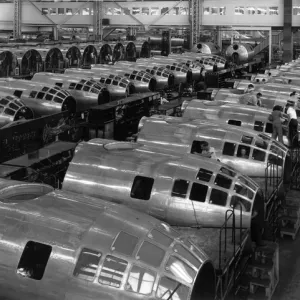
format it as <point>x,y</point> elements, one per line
<point>195,21</point>
<point>270,45</point>
<point>98,15</point>
<point>17,19</point>
<point>219,36</point>
<point>287,31</point>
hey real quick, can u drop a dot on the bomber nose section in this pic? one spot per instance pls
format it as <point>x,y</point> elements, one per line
<point>24,113</point>
<point>152,84</point>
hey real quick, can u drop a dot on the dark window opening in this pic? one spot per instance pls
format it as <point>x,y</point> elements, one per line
<point>240,203</point>
<point>18,93</point>
<point>40,95</point>
<point>132,77</point>
<point>52,91</point>
<point>242,190</point>
<point>269,127</point>
<point>275,160</point>
<point>227,172</point>
<point>87,264</point>
<point>78,87</point>
<point>223,181</point>
<point>180,188</point>
<point>45,89</point>
<point>204,175</point>
<point>198,192</point>
<point>72,86</point>
<point>34,260</point>
<point>115,82</point>
<point>259,155</point>
<point>259,126</point>
<point>49,97</point>
<point>86,88</point>
<point>243,152</point>
<point>247,139</point>
<point>108,81</point>
<point>139,78</point>
<point>261,144</point>
<point>218,197</point>
<point>141,188</point>
<point>234,122</point>
<point>102,80</point>
<point>229,149</point>
<point>33,94</point>
<point>60,84</point>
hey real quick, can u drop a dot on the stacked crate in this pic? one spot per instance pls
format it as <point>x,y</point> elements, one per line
<point>290,218</point>
<point>263,272</point>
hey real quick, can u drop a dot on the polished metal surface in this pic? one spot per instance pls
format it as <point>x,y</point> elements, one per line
<point>181,74</point>
<point>164,77</point>
<point>240,53</point>
<point>206,48</point>
<point>118,87</point>
<point>246,116</point>
<point>181,135</point>
<point>57,245</point>
<point>142,80</point>
<point>183,190</point>
<point>85,91</point>
<point>12,109</point>
<point>42,99</point>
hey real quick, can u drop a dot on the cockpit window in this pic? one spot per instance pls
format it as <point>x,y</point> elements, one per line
<point>125,243</point>
<point>160,238</point>
<point>247,139</point>
<point>40,95</point>
<point>78,87</point>
<point>247,183</point>
<point>234,122</point>
<point>261,144</point>
<point>240,203</point>
<point>171,289</point>
<point>45,89</point>
<point>229,149</point>
<point>276,160</point>
<point>151,254</point>
<point>243,191</point>
<point>57,99</point>
<point>123,85</point>
<point>258,155</point>
<point>108,81</point>
<point>223,181</point>
<point>9,112</point>
<point>32,95</point>
<point>218,197</point>
<point>53,91</point>
<point>132,77</point>
<point>49,97</point>
<point>86,88</point>
<point>180,269</point>
<point>204,175</point>
<point>87,264</point>
<point>113,271</point>
<point>142,187</point>
<point>140,280</point>
<point>198,192</point>
<point>180,188</point>
<point>5,102</point>
<point>13,106</point>
<point>227,172</point>
<point>243,152</point>
<point>115,82</point>
<point>259,126</point>
<point>178,248</point>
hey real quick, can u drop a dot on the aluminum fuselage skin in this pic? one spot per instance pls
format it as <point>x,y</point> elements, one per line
<point>67,223</point>
<point>40,107</point>
<point>108,169</point>
<point>116,91</point>
<point>248,117</point>
<point>85,99</point>
<point>161,80</point>
<point>180,137</point>
<point>139,84</point>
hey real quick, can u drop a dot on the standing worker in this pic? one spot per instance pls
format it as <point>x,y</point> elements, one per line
<point>293,124</point>
<point>276,119</point>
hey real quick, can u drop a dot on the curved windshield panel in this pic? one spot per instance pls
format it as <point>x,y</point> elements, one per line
<point>171,289</point>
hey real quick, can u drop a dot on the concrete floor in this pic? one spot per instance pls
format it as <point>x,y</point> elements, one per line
<point>288,287</point>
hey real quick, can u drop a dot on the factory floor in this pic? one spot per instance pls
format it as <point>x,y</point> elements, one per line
<point>288,287</point>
